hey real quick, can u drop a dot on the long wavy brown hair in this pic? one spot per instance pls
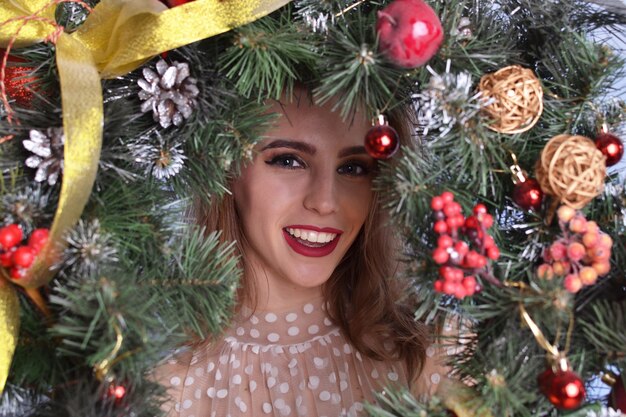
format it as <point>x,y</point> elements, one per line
<point>362,293</point>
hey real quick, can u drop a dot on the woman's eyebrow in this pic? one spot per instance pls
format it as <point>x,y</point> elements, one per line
<point>352,150</point>
<point>293,144</point>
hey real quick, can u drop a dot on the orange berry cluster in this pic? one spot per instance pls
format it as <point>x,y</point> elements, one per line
<point>581,255</point>
<point>20,257</point>
<point>461,262</point>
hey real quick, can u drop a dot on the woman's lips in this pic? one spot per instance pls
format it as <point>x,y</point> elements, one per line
<point>312,249</point>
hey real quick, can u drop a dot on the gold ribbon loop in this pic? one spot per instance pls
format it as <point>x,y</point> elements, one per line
<point>9,327</point>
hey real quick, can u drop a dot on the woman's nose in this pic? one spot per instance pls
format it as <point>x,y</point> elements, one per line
<point>321,196</point>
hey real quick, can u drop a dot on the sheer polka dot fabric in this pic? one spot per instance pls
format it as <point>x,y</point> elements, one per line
<point>291,363</point>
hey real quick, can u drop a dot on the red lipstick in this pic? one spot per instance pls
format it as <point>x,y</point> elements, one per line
<point>314,252</point>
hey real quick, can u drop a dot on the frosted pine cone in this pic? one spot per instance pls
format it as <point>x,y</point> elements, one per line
<point>47,147</point>
<point>170,92</point>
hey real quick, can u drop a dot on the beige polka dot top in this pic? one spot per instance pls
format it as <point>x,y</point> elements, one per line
<point>289,363</point>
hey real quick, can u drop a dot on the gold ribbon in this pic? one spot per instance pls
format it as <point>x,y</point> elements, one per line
<point>117,37</point>
<point>9,326</point>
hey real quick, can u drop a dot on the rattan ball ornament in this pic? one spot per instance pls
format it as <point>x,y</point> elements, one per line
<point>571,169</point>
<point>515,99</point>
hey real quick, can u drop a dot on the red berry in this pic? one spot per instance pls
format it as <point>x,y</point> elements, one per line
<point>440,256</point>
<point>460,292</point>
<point>558,251</point>
<point>447,197</point>
<point>23,256</point>
<point>449,287</point>
<point>10,236</point>
<point>410,32</point>
<point>38,239</point>
<point>438,285</point>
<point>572,283</point>
<point>469,282</point>
<point>17,272</point>
<point>437,203</point>
<point>459,220</point>
<point>479,209</point>
<point>493,253</point>
<point>440,227</point>
<point>561,268</point>
<point>471,222</point>
<point>482,261</point>
<point>461,248</point>
<point>545,271</point>
<point>444,241</point>
<point>602,268</point>
<point>6,259</point>
<point>486,220</point>
<point>452,208</point>
<point>488,242</point>
<point>575,251</point>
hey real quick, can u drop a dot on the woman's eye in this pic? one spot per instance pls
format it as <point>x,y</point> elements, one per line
<point>286,161</point>
<point>353,168</point>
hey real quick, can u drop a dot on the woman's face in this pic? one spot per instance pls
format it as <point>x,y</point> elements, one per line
<point>305,196</point>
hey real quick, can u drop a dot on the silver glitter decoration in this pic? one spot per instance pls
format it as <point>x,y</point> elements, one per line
<point>88,248</point>
<point>47,147</point>
<point>463,31</point>
<point>170,93</point>
<point>71,15</point>
<point>447,101</point>
<point>318,21</point>
<point>161,160</point>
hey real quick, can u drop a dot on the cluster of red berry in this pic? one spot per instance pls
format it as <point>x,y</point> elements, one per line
<point>20,257</point>
<point>461,262</point>
<point>581,255</point>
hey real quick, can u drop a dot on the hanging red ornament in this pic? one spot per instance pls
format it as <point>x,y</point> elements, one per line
<point>409,32</point>
<point>611,146</point>
<point>527,192</point>
<point>617,398</point>
<point>18,80</point>
<point>564,389</point>
<point>382,140</point>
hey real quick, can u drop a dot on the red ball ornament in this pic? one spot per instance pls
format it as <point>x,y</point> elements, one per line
<point>611,147</point>
<point>10,236</point>
<point>528,194</point>
<point>409,32</point>
<point>617,398</point>
<point>564,389</point>
<point>382,140</point>
<point>18,81</point>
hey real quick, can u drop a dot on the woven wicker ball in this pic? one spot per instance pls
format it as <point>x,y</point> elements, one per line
<point>571,169</point>
<point>516,99</point>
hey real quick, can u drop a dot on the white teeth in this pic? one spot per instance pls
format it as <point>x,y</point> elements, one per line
<point>311,236</point>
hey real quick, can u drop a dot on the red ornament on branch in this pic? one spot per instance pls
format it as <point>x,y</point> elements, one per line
<point>382,140</point>
<point>18,80</point>
<point>611,147</point>
<point>527,192</point>
<point>409,32</point>
<point>564,389</point>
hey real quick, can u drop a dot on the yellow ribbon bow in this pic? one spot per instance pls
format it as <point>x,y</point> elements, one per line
<point>117,37</point>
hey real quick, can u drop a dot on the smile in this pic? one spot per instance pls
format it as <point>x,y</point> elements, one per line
<point>312,243</point>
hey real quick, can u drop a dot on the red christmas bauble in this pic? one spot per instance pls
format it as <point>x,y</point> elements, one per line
<point>564,389</point>
<point>382,141</point>
<point>528,194</point>
<point>409,32</point>
<point>10,236</point>
<point>617,399</point>
<point>18,81</point>
<point>611,147</point>
<point>23,256</point>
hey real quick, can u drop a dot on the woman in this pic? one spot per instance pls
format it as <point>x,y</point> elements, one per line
<point>318,330</point>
